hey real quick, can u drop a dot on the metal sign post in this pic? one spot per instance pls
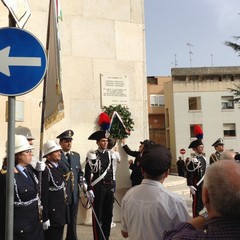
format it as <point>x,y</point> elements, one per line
<point>10,169</point>
<point>22,68</point>
<point>10,161</point>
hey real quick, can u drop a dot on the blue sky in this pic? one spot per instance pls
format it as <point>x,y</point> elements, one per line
<point>204,24</point>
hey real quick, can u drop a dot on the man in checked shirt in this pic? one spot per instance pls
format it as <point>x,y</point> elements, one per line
<point>221,198</point>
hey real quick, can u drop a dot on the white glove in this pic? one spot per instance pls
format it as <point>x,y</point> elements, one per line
<point>90,196</point>
<point>192,190</point>
<point>46,225</point>
<point>40,166</point>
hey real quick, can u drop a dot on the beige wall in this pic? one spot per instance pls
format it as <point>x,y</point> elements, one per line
<point>96,37</point>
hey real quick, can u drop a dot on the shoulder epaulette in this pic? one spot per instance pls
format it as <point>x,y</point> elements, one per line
<point>49,164</point>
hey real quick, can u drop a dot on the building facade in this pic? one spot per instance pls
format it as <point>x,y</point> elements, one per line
<point>99,40</point>
<point>156,108</point>
<point>202,96</point>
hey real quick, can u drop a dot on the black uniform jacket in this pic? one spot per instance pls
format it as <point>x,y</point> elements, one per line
<point>54,199</point>
<point>105,163</point>
<point>26,217</point>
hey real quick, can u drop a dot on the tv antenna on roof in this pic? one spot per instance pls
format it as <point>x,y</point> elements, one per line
<point>190,52</point>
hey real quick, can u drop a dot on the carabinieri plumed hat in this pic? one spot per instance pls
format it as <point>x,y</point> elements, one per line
<point>99,135</point>
<point>199,135</point>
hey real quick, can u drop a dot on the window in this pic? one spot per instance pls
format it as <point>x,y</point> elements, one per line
<point>227,102</point>
<point>192,135</point>
<point>194,103</point>
<point>229,130</point>
<point>156,100</point>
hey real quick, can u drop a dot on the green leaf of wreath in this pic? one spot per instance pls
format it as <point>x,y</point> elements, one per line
<point>117,130</point>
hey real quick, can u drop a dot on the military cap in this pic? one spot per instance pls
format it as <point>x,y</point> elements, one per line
<point>156,160</point>
<point>99,135</point>
<point>218,142</point>
<point>25,132</point>
<point>195,143</point>
<point>66,134</point>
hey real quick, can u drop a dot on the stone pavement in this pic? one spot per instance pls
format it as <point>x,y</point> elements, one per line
<point>173,183</point>
<point>85,232</point>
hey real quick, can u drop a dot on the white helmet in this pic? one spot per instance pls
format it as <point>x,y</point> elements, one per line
<point>49,147</point>
<point>21,144</point>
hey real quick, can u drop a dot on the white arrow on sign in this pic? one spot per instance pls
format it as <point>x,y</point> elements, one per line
<point>6,61</point>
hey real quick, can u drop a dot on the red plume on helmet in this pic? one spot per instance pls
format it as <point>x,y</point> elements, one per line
<point>199,135</point>
<point>104,121</point>
<point>198,132</point>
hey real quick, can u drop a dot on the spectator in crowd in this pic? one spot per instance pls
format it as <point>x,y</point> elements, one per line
<point>237,157</point>
<point>180,167</point>
<point>227,155</point>
<point>219,148</point>
<point>221,198</point>
<point>136,174</point>
<point>149,209</point>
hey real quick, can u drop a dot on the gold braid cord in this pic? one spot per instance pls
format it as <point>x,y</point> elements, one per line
<point>71,176</point>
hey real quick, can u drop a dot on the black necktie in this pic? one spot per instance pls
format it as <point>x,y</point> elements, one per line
<point>28,175</point>
<point>68,158</point>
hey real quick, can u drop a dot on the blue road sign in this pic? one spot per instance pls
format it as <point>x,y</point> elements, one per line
<point>22,62</point>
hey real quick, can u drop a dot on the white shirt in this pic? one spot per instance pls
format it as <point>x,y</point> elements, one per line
<point>149,209</point>
<point>115,160</point>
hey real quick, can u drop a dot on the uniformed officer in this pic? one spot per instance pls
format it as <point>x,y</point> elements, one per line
<point>71,168</point>
<point>219,147</point>
<point>54,198</point>
<point>99,177</point>
<point>20,130</point>
<point>195,174</point>
<point>27,211</point>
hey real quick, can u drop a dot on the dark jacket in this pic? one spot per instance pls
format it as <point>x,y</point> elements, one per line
<point>26,215</point>
<point>72,175</point>
<point>54,199</point>
<point>136,175</point>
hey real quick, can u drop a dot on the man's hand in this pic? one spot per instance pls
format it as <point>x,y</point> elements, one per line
<point>40,166</point>
<point>46,225</point>
<point>124,234</point>
<point>130,161</point>
<point>192,190</point>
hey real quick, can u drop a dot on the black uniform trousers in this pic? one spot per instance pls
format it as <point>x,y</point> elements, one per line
<point>103,206</point>
<point>197,204</point>
<point>54,233</point>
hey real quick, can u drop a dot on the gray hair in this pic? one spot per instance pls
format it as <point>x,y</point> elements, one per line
<point>227,155</point>
<point>222,182</point>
